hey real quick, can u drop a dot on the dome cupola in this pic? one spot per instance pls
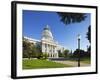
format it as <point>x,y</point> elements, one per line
<point>46,34</point>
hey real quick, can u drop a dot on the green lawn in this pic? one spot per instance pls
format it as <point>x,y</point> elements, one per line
<point>36,64</point>
<point>86,60</point>
<point>83,60</point>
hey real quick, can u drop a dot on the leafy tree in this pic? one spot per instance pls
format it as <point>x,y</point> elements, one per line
<point>89,33</point>
<point>81,52</point>
<point>34,51</point>
<point>68,18</point>
<point>45,55</point>
<point>66,52</point>
<point>75,53</point>
<point>31,50</point>
<point>70,55</point>
<point>39,51</point>
<point>89,38</point>
<point>27,49</point>
<point>60,54</point>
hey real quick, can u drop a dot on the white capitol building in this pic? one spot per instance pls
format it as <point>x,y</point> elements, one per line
<point>47,43</point>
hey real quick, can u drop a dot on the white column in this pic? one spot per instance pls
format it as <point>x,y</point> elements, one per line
<point>52,50</point>
<point>56,53</point>
<point>49,50</point>
<point>46,47</point>
<point>43,47</point>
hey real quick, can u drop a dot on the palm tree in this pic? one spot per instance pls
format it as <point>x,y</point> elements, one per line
<point>68,18</point>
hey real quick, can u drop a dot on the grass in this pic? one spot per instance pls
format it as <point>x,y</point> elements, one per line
<point>86,60</point>
<point>38,64</point>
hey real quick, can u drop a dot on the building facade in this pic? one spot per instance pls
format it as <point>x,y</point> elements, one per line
<point>47,43</point>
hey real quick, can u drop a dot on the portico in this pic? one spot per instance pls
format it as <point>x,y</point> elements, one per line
<point>50,49</point>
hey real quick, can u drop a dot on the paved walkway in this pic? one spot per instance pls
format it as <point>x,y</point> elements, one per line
<point>72,63</point>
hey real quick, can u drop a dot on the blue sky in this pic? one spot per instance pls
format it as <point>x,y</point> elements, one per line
<point>66,35</point>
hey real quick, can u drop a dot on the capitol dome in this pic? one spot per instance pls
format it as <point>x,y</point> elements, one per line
<point>46,34</point>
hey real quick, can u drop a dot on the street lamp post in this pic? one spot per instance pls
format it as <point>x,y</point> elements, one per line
<point>79,37</point>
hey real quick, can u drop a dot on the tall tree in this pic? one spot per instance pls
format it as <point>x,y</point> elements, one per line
<point>88,36</point>
<point>27,49</point>
<point>30,50</point>
<point>89,33</point>
<point>68,18</point>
